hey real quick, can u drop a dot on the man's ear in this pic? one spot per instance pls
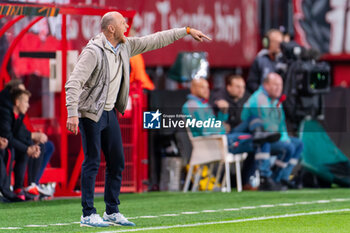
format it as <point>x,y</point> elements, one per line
<point>111,28</point>
<point>16,102</point>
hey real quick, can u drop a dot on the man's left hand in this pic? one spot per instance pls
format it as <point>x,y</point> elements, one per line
<point>39,137</point>
<point>223,105</point>
<point>198,35</point>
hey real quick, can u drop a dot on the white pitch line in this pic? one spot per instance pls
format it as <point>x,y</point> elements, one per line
<point>248,207</point>
<point>36,226</point>
<point>209,211</point>
<point>323,201</point>
<point>232,221</point>
<point>286,204</point>
<point>169,215</point>
<point>231,209</point>
<point>204,211</point>
<point>266,206</point>
<point>189,212</point>
<point>60,224</point>
<point>340,199</point>
<point>304,203</point>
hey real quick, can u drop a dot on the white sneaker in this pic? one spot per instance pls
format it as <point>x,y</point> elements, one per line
<point>94,220</point>
<point>117,219</point>
<point>47,190</point>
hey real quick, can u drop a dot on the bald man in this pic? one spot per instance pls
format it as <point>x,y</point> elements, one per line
<point>265,103</point>
<point>266,60</point>
<point>198,107</point>
<point>98,85</point>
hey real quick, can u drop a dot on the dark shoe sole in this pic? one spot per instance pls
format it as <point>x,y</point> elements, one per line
<point>271,138</point>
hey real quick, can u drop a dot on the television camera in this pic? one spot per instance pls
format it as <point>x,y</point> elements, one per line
<point>306,80</point>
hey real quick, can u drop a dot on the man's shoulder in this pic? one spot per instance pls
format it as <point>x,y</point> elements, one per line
<point>259,98</point>
<point>191,103</point>
<point>255,95</point>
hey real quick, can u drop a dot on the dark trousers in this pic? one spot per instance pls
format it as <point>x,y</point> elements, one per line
<point>21,161</point>
<point>36,166</point>
<point>47,154</point>
<point>104,134</point>
<point>5,171</point>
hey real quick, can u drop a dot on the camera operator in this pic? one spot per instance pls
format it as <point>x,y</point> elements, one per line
<point>266,60</point>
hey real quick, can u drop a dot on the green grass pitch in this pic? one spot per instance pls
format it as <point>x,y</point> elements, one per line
<point>307,210</point>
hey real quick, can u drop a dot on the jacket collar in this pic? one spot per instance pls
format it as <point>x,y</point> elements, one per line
<point>101,41</point>
<point>267,95</point>
<point>196,98</point>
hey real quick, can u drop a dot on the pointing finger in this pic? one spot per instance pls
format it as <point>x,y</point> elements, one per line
<point>206,37</point>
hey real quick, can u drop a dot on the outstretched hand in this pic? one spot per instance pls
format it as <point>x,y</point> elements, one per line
<point>198,35</point>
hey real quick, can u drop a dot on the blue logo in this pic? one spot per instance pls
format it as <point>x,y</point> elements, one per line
<point>151,120</point>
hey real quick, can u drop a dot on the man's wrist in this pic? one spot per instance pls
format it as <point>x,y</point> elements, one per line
<point>188,30</point>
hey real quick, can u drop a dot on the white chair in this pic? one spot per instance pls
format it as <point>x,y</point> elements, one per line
<point>209,149</point>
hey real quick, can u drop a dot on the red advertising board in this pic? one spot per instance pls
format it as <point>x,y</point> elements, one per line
<point>232,24</point>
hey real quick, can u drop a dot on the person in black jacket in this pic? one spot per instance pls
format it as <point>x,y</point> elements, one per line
<point>35,166</point>
<point>13,129</point>
<point>266,60</point>
<point>235,95</point>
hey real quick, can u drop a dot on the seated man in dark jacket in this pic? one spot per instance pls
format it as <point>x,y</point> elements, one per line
<point>19,138</point>
<point>36,166</point>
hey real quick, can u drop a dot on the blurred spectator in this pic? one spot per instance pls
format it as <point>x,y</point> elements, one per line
<point>37,165</point>
<point>138,72</point>
<point>266,60</point>
<point>265,103</point>
<point>239,138</point>
<point>19,138</point>
<point>234,93</point>
<point>138,69</point>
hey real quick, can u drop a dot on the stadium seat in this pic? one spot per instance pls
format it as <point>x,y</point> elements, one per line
<point>210,149</point>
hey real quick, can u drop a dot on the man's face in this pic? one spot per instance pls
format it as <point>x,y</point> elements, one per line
<point>22,103</point>
<point>275,41</point>
<point>200,88</point>
<point>237,88</point>
<point>119,27</point>
<point>274,86</point>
